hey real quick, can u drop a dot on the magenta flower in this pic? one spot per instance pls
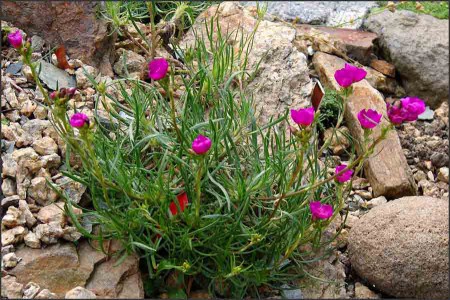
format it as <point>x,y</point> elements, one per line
<point>369,118</point>
<point>348,75</point>
<point>15,39</point>
<point>78,120</point>
<point>320,211</point>
<point>344,176</point>
<point>395,114</point>
<point>157,68</point>
<point>303,116</point>
<point>201,144</point>
<point>408,109</point>
<point>412,107</point>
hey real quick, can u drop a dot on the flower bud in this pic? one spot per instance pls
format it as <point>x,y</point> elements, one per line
<point>54,95</point>
<point>71,91</point>
<point>293,130</point>
<point>101,87</point>
<point>62,92</point>
<point>201,144</point>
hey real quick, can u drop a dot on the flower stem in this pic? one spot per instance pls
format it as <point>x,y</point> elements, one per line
<point>291,181</point>
<point>312,187</point>
<point>26,58</point>
<point>198,191</point>
<point>173,113</point>
<point>153,31</point>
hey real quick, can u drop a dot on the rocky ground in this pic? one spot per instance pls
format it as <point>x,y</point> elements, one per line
<point>381,231</point>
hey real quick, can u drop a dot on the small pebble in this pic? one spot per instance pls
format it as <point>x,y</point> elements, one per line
<point>376,202</point>
<point>443,174</point>
<point>10,260</point>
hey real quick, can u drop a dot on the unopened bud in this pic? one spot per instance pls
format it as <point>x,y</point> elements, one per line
<point>71,91</point>
<point>101,87</point>
<point>62,92</point>
<point>53,95</point>
<point>293,130</point>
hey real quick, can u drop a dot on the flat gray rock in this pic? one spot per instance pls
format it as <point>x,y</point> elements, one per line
<point>14,69</point>
<point>291,293</point>
<point>330,13</point>
<point>427,115</point>
<point>55,78</point>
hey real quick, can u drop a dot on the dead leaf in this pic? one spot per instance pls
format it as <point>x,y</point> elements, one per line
<point>61,57</point>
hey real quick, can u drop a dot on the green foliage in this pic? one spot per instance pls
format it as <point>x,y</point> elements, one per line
<point>189,10</point>
<point>330,109</point>
<point>121,13</point>
<point>437,9</point>
<point>5,121</point>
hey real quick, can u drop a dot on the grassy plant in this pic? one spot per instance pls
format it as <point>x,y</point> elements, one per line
<point>122,13</point>
<point>119,13</point>
<point>249,196</point>
<point>330,108</point>
<point>437,9</point>
<point>189,10</point>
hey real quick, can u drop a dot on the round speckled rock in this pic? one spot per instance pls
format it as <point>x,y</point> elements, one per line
<point>401,248</point>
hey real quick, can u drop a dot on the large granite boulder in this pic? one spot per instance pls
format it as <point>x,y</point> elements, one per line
<point>73,24</point>
<point>401,248</point>
<point>417,45</point>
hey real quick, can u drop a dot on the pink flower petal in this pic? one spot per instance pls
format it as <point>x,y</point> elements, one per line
<point>320,211</point>
<point>201,144</point>
<point>369,118</point>
<point>15,39</point>
<point>303,116</point>
<point>349,75</point>
<point>157,68</point>
<point>346,176</point>
<point>78,120</point>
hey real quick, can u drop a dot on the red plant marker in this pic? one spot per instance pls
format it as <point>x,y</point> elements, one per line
<point>61,57</point>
